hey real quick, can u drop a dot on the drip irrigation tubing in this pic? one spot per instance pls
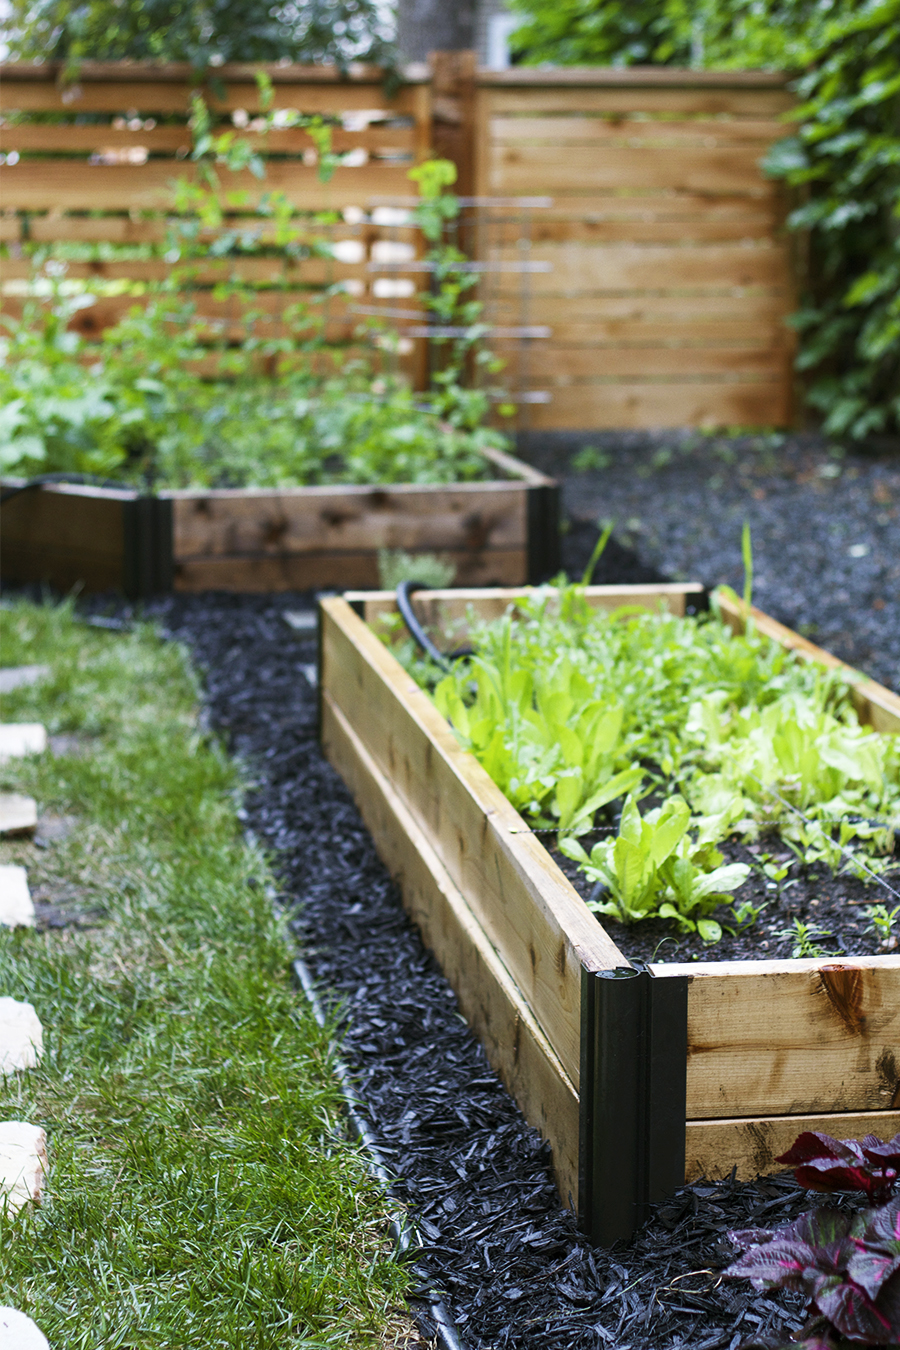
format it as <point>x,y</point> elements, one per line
<point>417,632</point>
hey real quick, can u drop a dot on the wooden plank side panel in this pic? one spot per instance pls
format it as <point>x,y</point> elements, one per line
<point>638,129</point>
<point>715,1146</point>
<point>792,1037</point>
<point>465,517</point>
<point>488,997</point>
<point>161,140</point>
<point>64,536</point>
<point>333,570</point>
<point>749,103</point>
<point>438,608</point>
<point>527,908</point>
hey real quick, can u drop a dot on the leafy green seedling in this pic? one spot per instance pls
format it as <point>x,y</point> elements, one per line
<point>881,920</point>
<point>745,915</point>
<point>803,936</point>
<point>654,867</point>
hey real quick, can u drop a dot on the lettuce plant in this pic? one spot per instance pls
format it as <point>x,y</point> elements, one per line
<point>655,867</point>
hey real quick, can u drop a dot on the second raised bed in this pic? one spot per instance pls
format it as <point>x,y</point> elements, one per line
<point>638,1078</point>
<point>501,531</point>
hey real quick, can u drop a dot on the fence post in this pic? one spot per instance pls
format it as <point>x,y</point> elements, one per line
<point>453,113</point>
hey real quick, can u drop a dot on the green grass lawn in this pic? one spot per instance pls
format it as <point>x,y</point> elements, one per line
<point>200,1191</point>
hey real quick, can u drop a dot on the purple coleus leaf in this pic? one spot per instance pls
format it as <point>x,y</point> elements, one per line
<point>822,1163</point>
<point>848,1265</point>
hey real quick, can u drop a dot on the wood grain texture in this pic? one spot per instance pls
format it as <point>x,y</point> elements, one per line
<point>752,1145</point>
<point>250,573</point>
<point>633,130</point>
<point>438,608</point>
<point>580,269</point>
<point>149,96</point>
<point>876,706</point>
<point>65,536</point>
<point>472,516</point>
<point>527,908</point>
<point>561,366</point>
<point>168,139</point>
<point>535,101</point>
<point>70,185</point>
<point>489,999</point>
<point>718,168</point>
<point>701,403</point>
<point>792,1037</point>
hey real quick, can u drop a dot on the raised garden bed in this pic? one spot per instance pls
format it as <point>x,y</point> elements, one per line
<point>502,531</point>
<point>639,1079</point>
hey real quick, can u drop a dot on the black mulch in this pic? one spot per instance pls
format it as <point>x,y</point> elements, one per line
<point>513,1268</point>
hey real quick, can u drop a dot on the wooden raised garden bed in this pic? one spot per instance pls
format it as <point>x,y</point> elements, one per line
<point>498,532</point>
<point>639,1079</point>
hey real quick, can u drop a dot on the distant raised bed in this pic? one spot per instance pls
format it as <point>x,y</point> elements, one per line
<point>502,531</point>
<point>638,1078</point>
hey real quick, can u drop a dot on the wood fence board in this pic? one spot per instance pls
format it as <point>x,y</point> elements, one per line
<point>751,103</point>
<point>579,268</point>
<point>68,185</point>
<point>165,138</point>
<point>715,1146</point>
<point>792,1036</point>
<point>520,168</point>
<point>633,130</point>
<point>147,97</point>
<point>664,404</point>
<point>562,366</point>
<point>525,906</point>
<point>205,272</point>
<point>488,997</point>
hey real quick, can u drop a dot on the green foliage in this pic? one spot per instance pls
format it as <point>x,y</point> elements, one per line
<point>394,566</point>
<point>202,1192</point>
<point>655,867</point>
<point>569,708</point>
<point>177,30</point>
<point>283,411</point>
<point>843,158</point>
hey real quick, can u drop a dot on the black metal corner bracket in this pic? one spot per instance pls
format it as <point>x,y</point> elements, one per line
<point>543,508</point>
<point>633,1097</point>
<point>148,560</point>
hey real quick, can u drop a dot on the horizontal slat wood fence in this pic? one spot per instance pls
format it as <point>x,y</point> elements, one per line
<point>670,277</point>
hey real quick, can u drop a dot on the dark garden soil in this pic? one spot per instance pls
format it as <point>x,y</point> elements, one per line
<point>514,1271</point>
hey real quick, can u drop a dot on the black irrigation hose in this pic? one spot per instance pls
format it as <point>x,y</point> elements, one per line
<point>399,1228</point>
<point>48,479</point>
<point>420,637</point>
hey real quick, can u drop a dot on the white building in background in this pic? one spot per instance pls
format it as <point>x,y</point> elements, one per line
<point>493,25</point>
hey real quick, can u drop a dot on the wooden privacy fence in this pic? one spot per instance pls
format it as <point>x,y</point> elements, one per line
<point>668,277</point>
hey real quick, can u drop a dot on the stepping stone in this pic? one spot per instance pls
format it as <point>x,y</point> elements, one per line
<point>18,1332</point>
<point>16,904</point>
<point>18,814</point>
<point>21,1036</point>
<point>23,1164</point>
<point>14,677</point>
<point>21,738</point>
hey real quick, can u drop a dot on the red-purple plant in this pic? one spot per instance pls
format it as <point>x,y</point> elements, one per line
<point>848,1265</point>
<point>824,1164</point>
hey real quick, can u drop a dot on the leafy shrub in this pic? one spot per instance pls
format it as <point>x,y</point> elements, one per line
<point>868,1165</point>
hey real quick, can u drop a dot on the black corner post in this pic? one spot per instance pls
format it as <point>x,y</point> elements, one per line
<point>148,562</point>
<point>544,556</point>
<point>633,1097</point>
